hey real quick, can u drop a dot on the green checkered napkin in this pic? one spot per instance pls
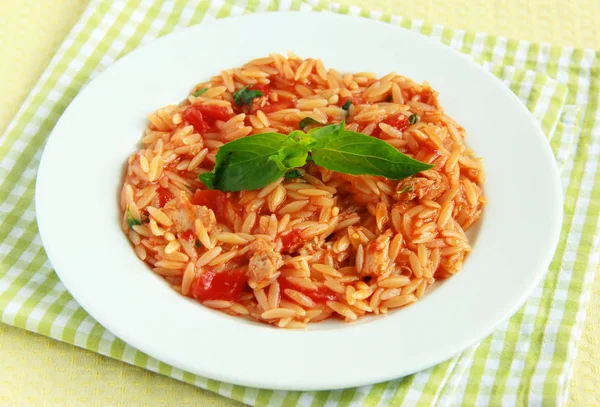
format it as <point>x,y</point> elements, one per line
<point>527,361</point>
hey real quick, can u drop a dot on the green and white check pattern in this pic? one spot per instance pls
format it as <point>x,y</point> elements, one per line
<point>527,361</point>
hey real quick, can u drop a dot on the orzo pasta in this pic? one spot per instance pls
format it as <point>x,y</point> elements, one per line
<point>315,244</point>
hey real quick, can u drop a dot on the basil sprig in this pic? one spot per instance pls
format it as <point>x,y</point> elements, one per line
<point>255,161</point>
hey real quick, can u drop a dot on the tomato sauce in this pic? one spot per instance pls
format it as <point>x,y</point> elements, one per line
<point>320,295</point>
<point>264,89</point>
<point>399,122</point>
<point>188,235</point>
<point>273,107</point>
<point>164,196</point>
<point>355,100</point>
<point>292,241</point>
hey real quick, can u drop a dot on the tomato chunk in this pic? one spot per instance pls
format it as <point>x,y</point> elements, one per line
<point>319,295</point>
<point>194,116</point>
<point>227,285</point>
<point>291,241</point>
<point>201,116</point>
<point>211,198</point>
<point>164,196</point>
<point>213,112</point>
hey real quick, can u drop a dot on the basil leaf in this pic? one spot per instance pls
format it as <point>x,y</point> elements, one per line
<point>130,220</point>
<point>292,174</point>
<point>244,96</point>
<point>307,121</point>
<point>346,106</point>
<point>300,137</point>
<point>355,153</point>
<point>413,118</point>
<point>290,155</point>
<point>199,92</point>
<point>321,135</point>
<point>244,163</point>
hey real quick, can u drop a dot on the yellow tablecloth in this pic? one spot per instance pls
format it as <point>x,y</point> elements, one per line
<point>35,370</point>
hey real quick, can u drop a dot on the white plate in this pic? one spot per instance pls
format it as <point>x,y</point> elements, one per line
<point>78,215</point>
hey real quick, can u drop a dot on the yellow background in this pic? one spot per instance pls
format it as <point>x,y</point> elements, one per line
<point>35,370</point>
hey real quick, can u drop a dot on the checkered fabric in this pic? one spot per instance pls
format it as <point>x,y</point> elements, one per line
<point>527,361</point>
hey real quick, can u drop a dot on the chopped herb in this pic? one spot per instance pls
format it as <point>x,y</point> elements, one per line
<point>244,96</point>
<point>413,118</point>
<point>307,121</point>
<point>199,92</point>
<point>198,244</point>
<point>255,161</point>
<point>188,187</point>
<point>405,189</point>
<point>346,106</point>
<point>292,174</point>
<point>388,99</point>
<point>131,221</point>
